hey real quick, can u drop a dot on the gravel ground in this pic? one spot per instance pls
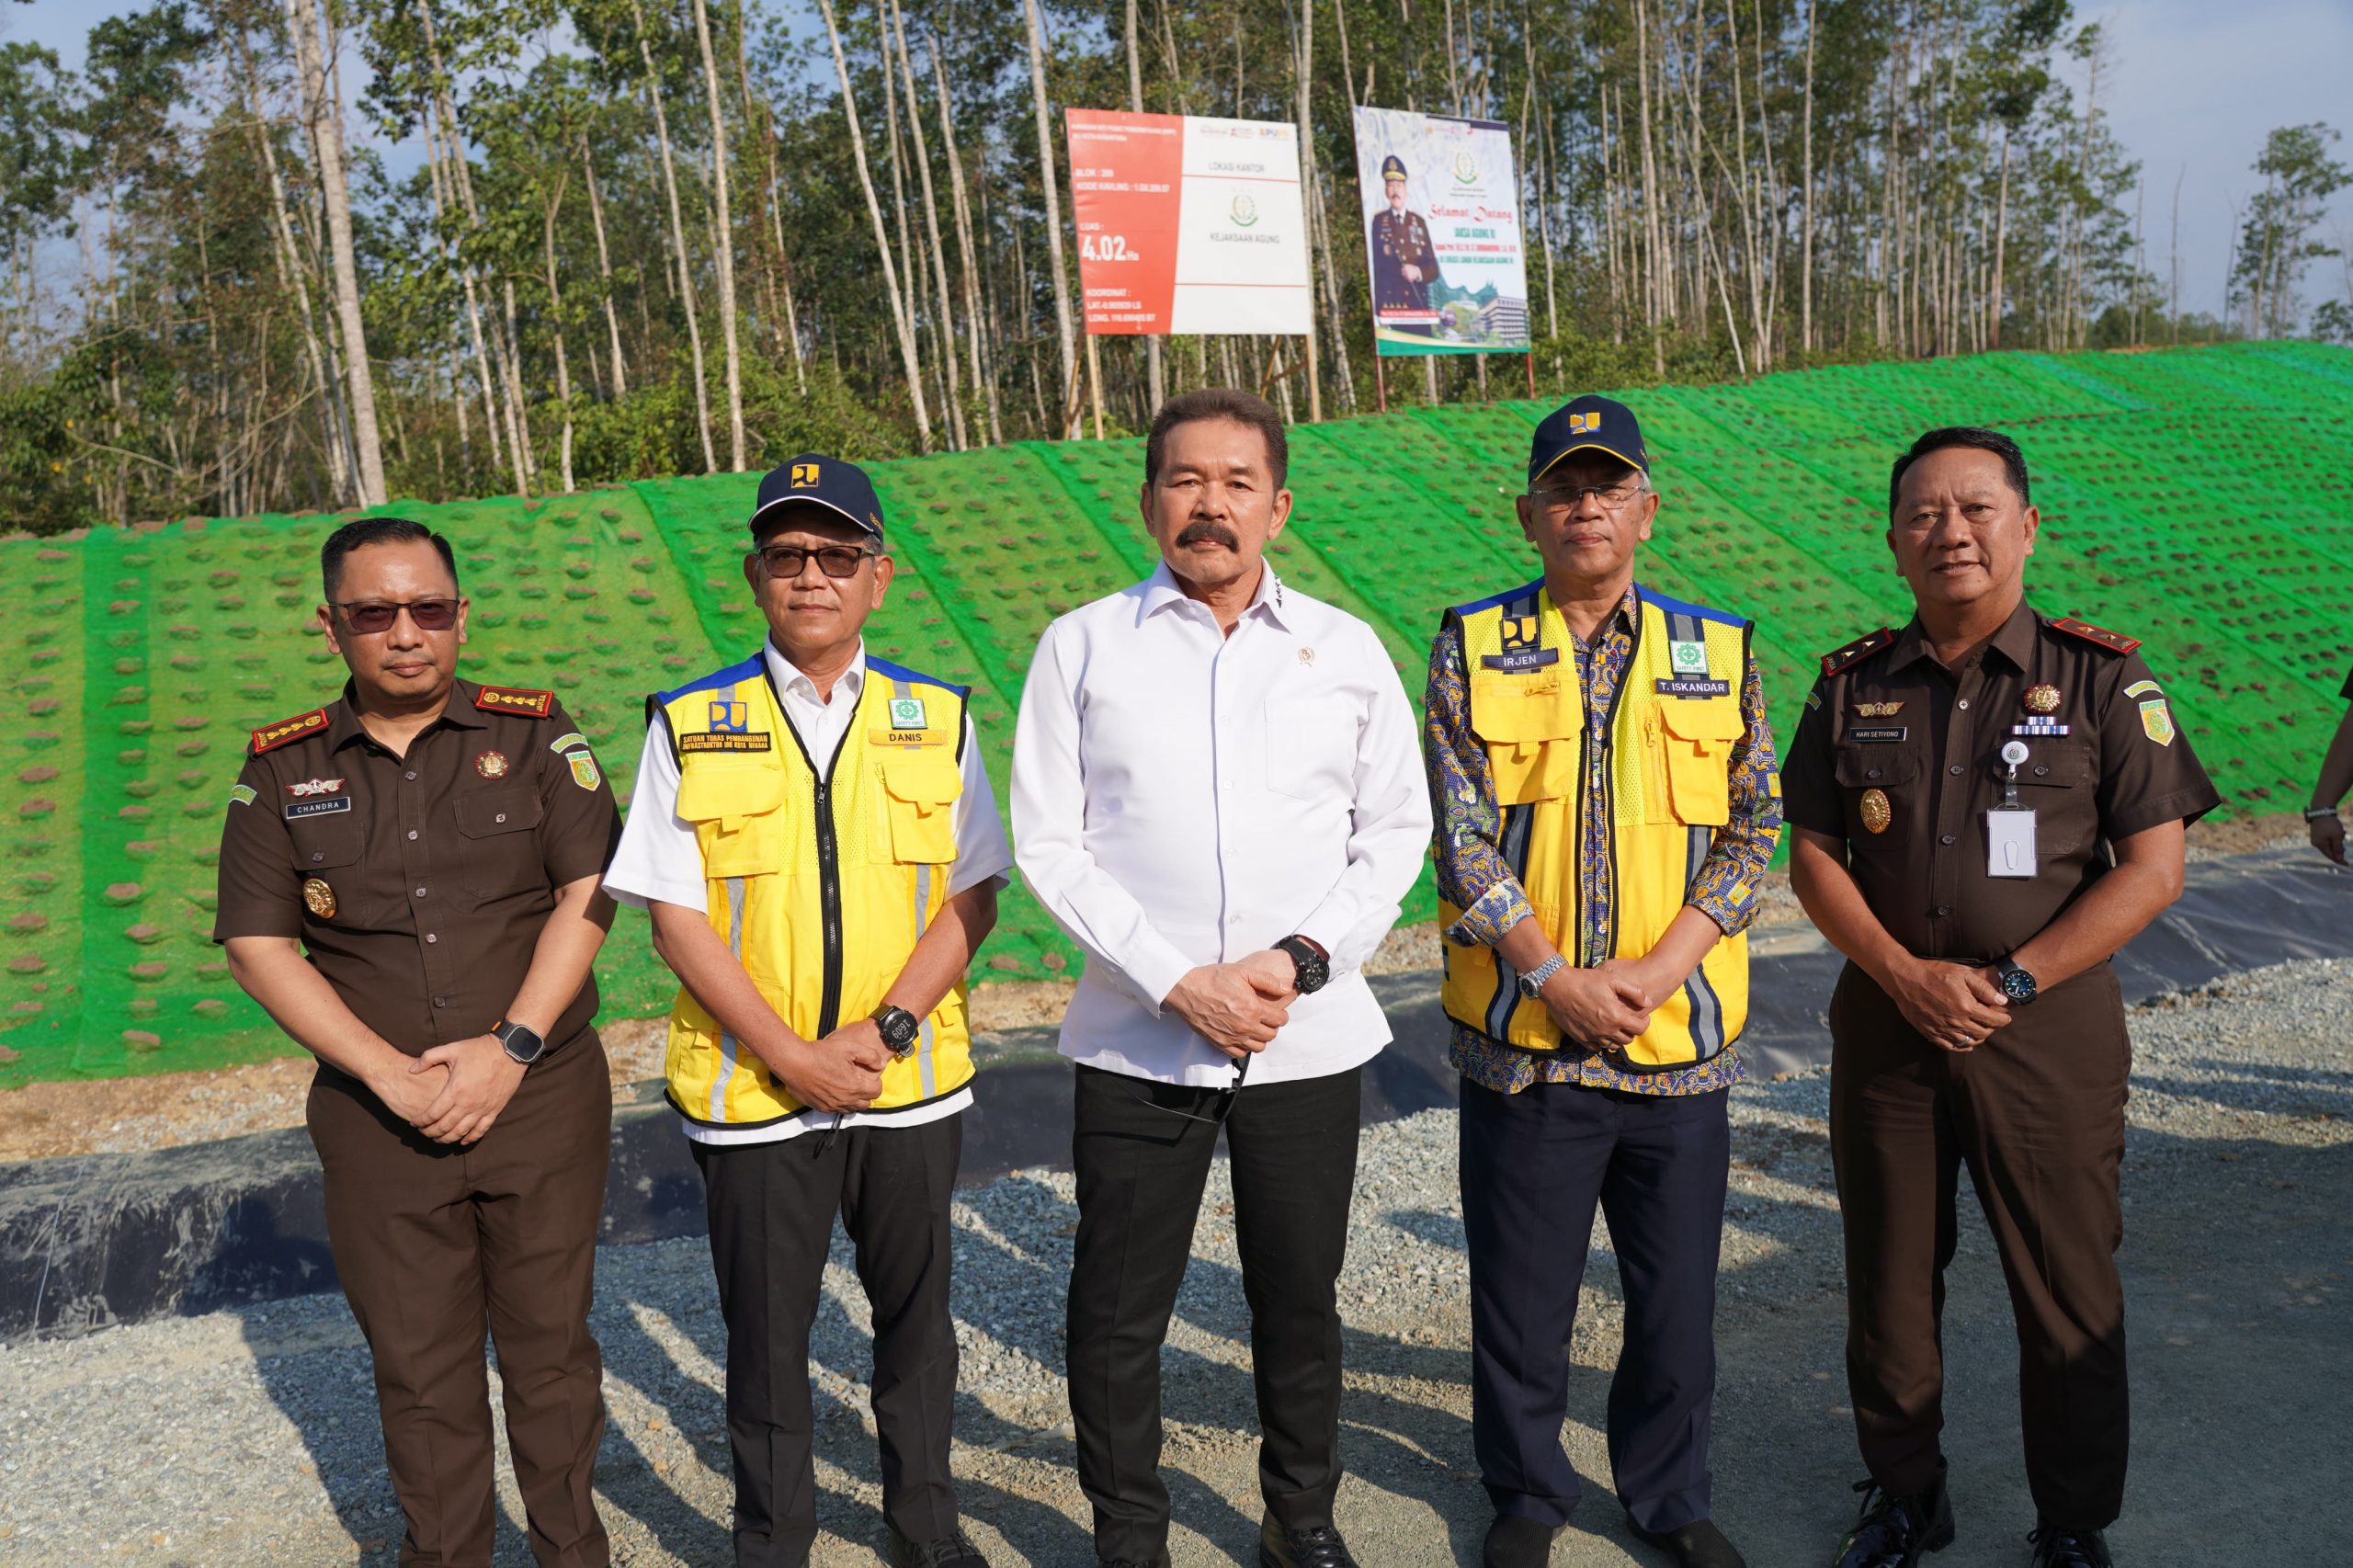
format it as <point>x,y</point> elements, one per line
<point>252,1434</point>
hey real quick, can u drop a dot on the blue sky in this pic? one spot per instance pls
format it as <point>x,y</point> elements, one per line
<point>2192,88</point>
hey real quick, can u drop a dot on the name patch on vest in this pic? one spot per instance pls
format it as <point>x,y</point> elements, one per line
<point>724,740</point>
<point>1522,659</point>
<point>1878,734</point>
<point>301,808</point>
<point>1679,685</point>
<point>908,737</point>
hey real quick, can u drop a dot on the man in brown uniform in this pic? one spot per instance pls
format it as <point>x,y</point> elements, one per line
<point>1987,805</point>
<point>409,885</point>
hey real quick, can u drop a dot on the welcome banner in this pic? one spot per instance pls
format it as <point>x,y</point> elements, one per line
<point>1442,233</point>
<point>1188,224</point>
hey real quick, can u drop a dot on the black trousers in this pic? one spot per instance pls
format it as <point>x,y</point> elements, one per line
<point>434,1244</point>
<point>1534,1166</point>
<point>771,1208</point>
<point>1141,1171</point>
<point>2036,1114</point>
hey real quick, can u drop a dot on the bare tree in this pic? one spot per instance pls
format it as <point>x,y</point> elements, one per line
<point>723,227</point>
<point>323,110</point>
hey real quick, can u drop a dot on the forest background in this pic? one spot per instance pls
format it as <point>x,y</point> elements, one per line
<point>655,237</point>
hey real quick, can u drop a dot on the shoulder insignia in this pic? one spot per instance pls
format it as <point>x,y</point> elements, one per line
<point>514,700</point>
<point>269,737</point>
<point>2114,641</point>
<point>1862,647</point>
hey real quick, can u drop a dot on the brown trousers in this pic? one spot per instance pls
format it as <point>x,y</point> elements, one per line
<point>435,1244</point>
<point>2037,1113</point>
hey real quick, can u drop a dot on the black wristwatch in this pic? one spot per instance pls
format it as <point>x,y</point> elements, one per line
<point>1309,958</point>
<point>2016,984</point>
<point>522,1042</point>
<point>899,1027</point>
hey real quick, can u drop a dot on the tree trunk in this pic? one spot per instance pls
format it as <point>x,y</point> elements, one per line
<point>678,240</point>
<point>938,251</point>
<point>973,312</point>
<point>1304,61</point>
<point>882,235</point>
<point>605,271</point>
<point>1805,282</point>
<point>1155,392</point>
<point>324,108</point>
<point>555,321</point>
<point>1067,337</point>
<point>2001,234</point>
<point>723,227</point>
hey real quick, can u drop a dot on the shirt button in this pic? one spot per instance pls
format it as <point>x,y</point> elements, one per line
<point>1954,770</point>
<point>1946,838</point>
<point>317,855</point>
<point>1872,773</point>
<point>410,774</point>
<point>1940,912</point>
<point>431,937</point>
<point>1964,702</point>
<point>500,817</point>
<point>412,833</point>
<point>441,1001</point>
<point>2040,772</point>
<point>420,892</point>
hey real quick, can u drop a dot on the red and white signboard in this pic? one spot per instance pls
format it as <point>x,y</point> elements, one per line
<point>1188,224</point>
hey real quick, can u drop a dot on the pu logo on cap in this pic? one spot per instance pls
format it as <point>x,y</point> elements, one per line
<point>1583,423</point>
<point>803,475</point>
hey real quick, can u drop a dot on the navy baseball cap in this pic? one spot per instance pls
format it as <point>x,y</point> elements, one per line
<point>812,477</point>
<point>1587,422</point>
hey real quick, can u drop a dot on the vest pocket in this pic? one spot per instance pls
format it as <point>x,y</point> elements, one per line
<point>737,812</point>
<point>920,785</point>
<point>1698,741</point>
<point>1531,738</point>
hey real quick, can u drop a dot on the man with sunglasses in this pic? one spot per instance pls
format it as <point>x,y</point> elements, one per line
<point>1604,778</point>
<point>814,839</point>
<point>408,885</point>
<point>1215,794</point>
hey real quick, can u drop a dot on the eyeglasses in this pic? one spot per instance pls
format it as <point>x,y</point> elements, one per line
<point>1565,497</point>
<point>370,617</point>
<point>1221,1100</point>
<point>786,562</point>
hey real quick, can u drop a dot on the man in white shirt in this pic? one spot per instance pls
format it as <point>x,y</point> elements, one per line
<point>1216,795</point>
<point>814,839</point>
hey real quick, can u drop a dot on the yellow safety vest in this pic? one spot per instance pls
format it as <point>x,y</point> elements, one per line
<point>818,873</point>
<point>1670,737</point>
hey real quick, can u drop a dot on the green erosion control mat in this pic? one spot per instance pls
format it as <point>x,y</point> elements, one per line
<point>2195,498</point>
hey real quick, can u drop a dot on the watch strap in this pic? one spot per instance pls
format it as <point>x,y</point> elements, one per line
<point>522,1043</point>
<point>899,1027</point>
<point>1311,964</point>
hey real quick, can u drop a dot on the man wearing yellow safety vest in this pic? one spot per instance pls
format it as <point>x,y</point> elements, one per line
<point>1604,781</point>
<point>815,841</point>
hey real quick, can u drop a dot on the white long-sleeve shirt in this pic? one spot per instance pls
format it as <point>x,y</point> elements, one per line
<point>1183,798</point>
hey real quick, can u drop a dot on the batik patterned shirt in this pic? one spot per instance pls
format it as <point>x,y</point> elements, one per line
<point>1474,876</point>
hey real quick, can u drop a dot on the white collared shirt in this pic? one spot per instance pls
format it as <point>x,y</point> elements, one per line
<point>1182,797</point>
<point>658,858</point>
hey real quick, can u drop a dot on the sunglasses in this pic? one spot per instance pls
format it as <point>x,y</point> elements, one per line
<point>786,562</point>
<point>371,617</point>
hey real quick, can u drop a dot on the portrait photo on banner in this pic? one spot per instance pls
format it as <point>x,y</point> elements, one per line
<point>1442,233</point>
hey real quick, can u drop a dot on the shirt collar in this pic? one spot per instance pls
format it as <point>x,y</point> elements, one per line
<point>1628,615</point>
<point>344,725</point>
<point>787,675</point>
<point>1162,590</point>
<point>2013,640</point>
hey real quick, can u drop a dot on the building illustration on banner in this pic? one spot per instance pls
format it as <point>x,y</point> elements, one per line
<point>1442,233</point>
<point>1188,224</point>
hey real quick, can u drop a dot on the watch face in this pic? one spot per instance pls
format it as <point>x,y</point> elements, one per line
<point>2018,985</point>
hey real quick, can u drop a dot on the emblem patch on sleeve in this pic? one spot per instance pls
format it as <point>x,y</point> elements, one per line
<point>241,794</point>
<point>2156,718</point>
<point>584,769</point>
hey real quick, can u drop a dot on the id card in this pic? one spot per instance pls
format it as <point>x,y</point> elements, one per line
<point>2010,842</point>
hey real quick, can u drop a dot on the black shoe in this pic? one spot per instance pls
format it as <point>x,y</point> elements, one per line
<point>1515,1540</point>
<point>955,1550</point>
<point>1318,1546</point>
<point>2056,1548</point>
<point>1696,1545</point>
<point>1896,1532</point>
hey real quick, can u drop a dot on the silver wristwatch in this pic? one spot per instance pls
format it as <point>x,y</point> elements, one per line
<point>1532,984</point>
<point>2319,813</point>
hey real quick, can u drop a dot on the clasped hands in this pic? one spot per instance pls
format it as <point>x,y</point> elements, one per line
<point>453,1093</point>
<point>1953,1006</point>
<point>1237,1007</point>
<point>1606,1007</point>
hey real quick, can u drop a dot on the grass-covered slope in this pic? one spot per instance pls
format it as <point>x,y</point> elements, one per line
<point>2195,498</point>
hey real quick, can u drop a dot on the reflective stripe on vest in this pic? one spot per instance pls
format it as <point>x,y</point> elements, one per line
<point>821,873</point>
<point>1666,771</point>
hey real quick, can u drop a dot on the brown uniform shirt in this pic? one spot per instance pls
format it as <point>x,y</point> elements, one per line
<point>419,884</point>
<point>1891,737</point>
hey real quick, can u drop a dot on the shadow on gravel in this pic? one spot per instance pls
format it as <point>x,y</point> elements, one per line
<point>328,1393</point>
